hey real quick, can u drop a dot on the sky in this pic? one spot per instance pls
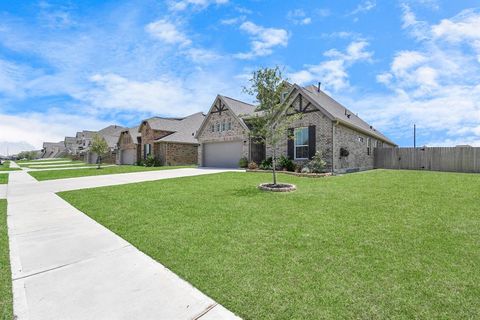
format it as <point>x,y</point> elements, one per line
<point>67,66</point>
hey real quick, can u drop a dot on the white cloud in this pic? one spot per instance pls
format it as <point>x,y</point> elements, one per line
<point>298,16</point>
<point>363,7</point>
<point>436,86</point>
<point>181,5</point>
<point>263,40</point>
<point>232,21</point>
<point>35,128</point>
<point>333,72</point>
<point>167,32</point>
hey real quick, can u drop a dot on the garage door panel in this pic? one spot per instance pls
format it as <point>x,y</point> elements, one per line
<point>222,154</point>
<point>128,156</point>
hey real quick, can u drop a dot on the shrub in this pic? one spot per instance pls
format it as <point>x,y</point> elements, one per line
<point>344,152</point>
<point>286,164</point>
<point>140,163</point>
<point>243,162</point>
<point>252,166</point>
<point>317,164</point>
<point>266,164</point>
<point>151,161</point>
<point>305,170</point>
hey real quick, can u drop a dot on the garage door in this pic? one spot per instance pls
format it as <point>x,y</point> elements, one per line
<point>128,156</point>
<point>222,154</point>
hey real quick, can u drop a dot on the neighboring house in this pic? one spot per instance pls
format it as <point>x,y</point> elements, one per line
<point>129,146</point>
<point>71,145</point>
<point>224,135</point>
<point>171,140</point>
<point>110,134</point>
<point>53,149</point>
<point>84,140</point>
<point>325,126</point>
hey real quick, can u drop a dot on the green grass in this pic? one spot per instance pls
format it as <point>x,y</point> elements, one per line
<point>6,167</point>
<point>376,245</point>
<point>3,178</point>
<point>6,310</point>
<point>62,174</point>
<point>54,165</point>
<point>42,160</point>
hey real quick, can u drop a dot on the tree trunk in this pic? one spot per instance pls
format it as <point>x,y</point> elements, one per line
<point>274,164</point>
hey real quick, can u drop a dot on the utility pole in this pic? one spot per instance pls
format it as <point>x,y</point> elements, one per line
<point>414,136</point>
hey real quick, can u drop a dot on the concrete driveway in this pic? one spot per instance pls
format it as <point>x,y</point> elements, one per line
<point>67,266</point>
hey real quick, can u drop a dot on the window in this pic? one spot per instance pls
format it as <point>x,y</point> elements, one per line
<point>212,128</point>
<point>147,150</point>
<point>229,125</point>
<point>360,139</point>
<point>369,145</point>
<point>301,143</point>
<point>375,145</point>
<point>223,126</point>
<point>380,144</point>
<point>218,127</point>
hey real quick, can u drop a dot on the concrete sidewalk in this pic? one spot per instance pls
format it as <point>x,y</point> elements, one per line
<point>67,266</point>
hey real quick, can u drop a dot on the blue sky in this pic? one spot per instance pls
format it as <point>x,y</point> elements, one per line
<point>72,65</point>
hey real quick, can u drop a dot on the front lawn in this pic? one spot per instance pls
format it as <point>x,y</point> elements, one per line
<point>6,311</point>
<point>3,178</point>
<point>6,167</point>
<point>75,173</point>
<point>374,245</point>
<point>39,164</point>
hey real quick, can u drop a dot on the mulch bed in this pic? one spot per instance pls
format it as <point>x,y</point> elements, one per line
<point>279,187</point>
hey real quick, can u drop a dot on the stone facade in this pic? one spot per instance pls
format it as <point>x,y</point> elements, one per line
<point>236,132</point>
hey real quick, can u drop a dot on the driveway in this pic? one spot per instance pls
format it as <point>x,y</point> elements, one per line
<point>67,266</point>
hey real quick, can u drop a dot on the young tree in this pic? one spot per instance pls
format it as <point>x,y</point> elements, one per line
<point>100,147</point>
<point>271,122</point>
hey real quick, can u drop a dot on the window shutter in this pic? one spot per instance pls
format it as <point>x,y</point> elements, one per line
<point>312,141</point>
<point>291,136</point>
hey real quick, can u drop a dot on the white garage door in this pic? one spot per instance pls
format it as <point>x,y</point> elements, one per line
<point>128,156</point>
<point>222,154</point>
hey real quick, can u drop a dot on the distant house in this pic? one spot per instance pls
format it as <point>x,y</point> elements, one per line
<point>110,134</point>
<point>84,140</point>
<point>170,140</point>
<point>129,146</point>
<point>345,141</point>
<point>71,145</point>
<point>53,150</point>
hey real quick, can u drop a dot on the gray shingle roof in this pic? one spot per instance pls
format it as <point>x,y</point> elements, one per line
<point>340,113</point>
<point>240,108</point>
<point>111,134</point>
<point>183,129</point>
<point>165,124</point>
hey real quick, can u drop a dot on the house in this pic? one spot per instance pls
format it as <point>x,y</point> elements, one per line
<point>129,146</point>
<point>71,145</point>
<point>170,140</point>
<point>84,140</point>
<point>110,134</point>
<point>53,149</point>
<point>345,141</point>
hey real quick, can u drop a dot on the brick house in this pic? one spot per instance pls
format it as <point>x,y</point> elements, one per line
<point>170,140</point>
<point>129,146</point>
<point>325,125</point>
<point>110,134</point>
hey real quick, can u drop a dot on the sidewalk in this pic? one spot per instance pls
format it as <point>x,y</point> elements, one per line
<point>67,266</point>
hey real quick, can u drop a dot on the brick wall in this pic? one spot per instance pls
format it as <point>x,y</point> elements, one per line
<point>180,154</point>
<point>323,132</point>
<point>149,136</point>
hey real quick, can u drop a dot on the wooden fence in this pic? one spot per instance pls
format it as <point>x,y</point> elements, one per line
<point>455,159</point>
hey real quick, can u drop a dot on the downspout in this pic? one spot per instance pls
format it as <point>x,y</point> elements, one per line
<point>333,144</point>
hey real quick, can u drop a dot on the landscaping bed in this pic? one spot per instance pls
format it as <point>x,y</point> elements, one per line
<point>297,174</point>
<point>383,244</point>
